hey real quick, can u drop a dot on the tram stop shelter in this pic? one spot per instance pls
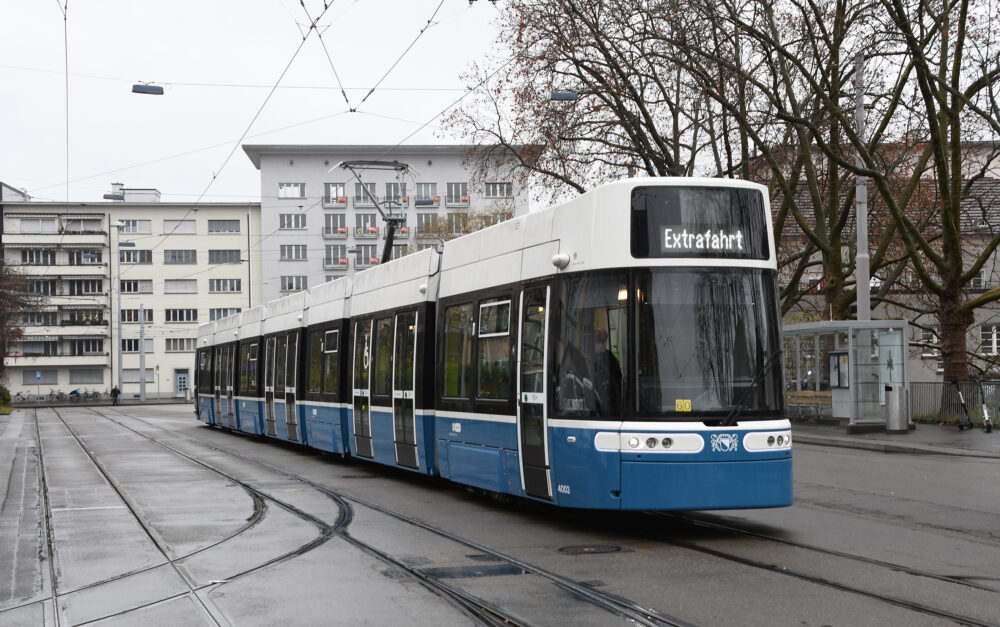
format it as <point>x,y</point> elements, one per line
<point>853,371</point>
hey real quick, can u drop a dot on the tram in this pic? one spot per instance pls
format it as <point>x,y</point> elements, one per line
<point>619,351</point>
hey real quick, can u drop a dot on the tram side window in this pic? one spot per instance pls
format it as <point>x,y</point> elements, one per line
<point>205,371</point>
<point>251,369</point>
<point>591,345</point>
<point>382,379</point>
<point>458,324</point>
<point>315,361</point>
<point>494,349</point>
<point>331,368</point>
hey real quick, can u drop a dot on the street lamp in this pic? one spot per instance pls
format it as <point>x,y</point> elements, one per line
<point>118,224</point>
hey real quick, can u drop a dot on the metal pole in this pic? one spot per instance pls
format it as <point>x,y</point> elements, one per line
<point>142,354</point>
<point>861,194</point>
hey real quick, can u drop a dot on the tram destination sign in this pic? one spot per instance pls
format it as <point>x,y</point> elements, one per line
<point>727,222</point>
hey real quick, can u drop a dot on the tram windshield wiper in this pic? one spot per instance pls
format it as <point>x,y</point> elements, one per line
<point>735,412</point>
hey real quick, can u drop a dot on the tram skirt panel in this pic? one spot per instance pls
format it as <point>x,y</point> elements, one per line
<point>706,485</point>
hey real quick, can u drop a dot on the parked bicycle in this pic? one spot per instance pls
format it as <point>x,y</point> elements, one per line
<point>55,395</point>
<point>22,398</point>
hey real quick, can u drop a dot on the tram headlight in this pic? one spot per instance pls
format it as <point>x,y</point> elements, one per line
<point>667,442</point>
<point>651,442</point>
<point>633,442</point>
<point>770,440</point>
<point>781,440</point>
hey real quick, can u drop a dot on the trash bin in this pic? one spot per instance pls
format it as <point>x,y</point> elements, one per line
<point>895,416</point>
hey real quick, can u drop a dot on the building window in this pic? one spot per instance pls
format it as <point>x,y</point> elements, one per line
<point>38,225</point>
<point>42,286</point>
<point>180,256</point>
<point>365,222</point>
<point>38,257</point>
<point>181,344</point>
<point>988,339</point>
<point>367,255</point>
<point>131,375</point>
<point>458,194</point>
<point>292,221</point>
<point>499,190</point>
<point>135,256</point>
<point>458,223</point>
<point>181,315</point>
<point>977,282</point>
<point>48,377</point>
<point>137,226</point>
<point>180,286</point>
<point>87,347</point>
<point>425,246</point>
<point>223,226</point>
<point>362,198</point>
<point>222,312</point>
<point>399,250</point>
<point>334,194</point>
<point>86,375</point>
<point>930,343</point>
<point>81,225</point>
<point>131,345</point>
<point>427,191</point>
<point>180,227</point>
<point>224,285</point>
<point>293,283</point>
<point>132,315</point>
<point>223,256</point>
<point>85,257</point>
<point>86,316</point>
<point>137,287</point>
<point>336,255</point>
<point>426,222</point>
<point>46,347</point>
<point>79,287</point>
<point>394,192</point>
<point>291,190</point>
<point>293,252</point>
<point>335,224</point>
<point>39,319</point>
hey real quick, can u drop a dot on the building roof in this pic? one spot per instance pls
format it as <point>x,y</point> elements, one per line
<point>383,152</point>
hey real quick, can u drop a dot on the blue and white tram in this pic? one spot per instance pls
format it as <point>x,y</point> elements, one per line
<point>620,351</point>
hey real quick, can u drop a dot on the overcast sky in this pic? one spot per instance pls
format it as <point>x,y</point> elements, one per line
<point>217,61</point>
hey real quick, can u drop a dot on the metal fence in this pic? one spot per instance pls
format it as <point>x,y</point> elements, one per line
<point>938,400</point>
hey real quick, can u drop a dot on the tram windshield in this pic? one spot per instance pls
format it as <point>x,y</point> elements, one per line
<point>703,337</point>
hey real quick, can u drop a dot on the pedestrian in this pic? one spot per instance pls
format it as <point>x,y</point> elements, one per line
<point>115,393</point>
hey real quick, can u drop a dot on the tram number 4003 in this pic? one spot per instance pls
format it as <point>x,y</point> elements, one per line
<point>563,488</point>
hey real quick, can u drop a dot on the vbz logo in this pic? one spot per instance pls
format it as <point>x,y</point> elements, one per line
<point>725,442</point>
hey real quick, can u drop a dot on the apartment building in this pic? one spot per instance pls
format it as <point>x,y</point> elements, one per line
<point>128,279</point>
<point>320,222</point>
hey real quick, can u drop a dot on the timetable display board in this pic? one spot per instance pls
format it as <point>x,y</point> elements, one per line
<point>722,222</point>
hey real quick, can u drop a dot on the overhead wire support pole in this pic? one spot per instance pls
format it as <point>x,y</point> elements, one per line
<point>391,221</point>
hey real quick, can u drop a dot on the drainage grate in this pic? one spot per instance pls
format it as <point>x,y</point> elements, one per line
<point>586,549</point>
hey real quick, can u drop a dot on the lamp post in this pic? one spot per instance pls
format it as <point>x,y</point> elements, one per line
<point>117,253</point>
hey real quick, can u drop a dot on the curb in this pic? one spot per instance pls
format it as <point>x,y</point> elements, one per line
<point>890,447</point>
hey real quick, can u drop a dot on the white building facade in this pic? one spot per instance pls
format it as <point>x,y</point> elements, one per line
<point>128,279</point>
<point>319,223</point>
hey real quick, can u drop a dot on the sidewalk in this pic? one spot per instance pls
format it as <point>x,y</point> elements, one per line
<point>926,439</point>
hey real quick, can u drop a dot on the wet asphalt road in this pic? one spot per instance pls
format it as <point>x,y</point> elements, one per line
<point>99,522</point>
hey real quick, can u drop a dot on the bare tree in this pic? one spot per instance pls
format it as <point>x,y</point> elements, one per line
<point>16,301</point>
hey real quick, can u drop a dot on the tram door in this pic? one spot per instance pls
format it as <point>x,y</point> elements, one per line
<point>228,360</point>
<point>532,419</point>
<point>403,382</point>
<point>217,383</point>
<point>269,354</point>
<point>291,342</point>
<point>362,388</point>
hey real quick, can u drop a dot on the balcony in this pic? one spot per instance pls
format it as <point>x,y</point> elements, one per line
<point>86,270</point>
<point>335,202</point>
<point>456,201</point>
<point>95,238</point>
<point>64,360</point>
<point>366,262</point>
<point>65,329</point>
<point>395,204</point>
<point>366,232</point>
<point>62,298</point>
<point>335,232</point>
<point>433,201</point>
<point>402,233</point>
<point>336,263</point>
<point>363,201</point>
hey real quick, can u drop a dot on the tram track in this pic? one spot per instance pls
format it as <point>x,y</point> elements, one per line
<point>801,575</point>
<point>490,614</point>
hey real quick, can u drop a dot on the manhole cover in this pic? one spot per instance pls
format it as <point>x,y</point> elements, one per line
<point>586,549</point>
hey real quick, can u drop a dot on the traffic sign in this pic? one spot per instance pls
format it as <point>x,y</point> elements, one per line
<point>38,375</point>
